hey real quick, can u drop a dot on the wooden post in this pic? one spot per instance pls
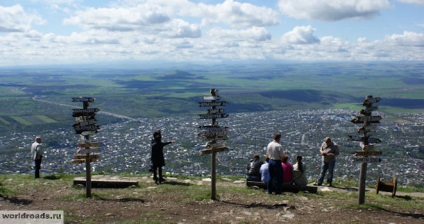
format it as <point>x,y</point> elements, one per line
<point>363,173</point>
<point>86,123</point>
<point>213,174</point>
<point>87,164</point>
<point>362,178</point>
<point>88,176</point>
<point>213,158</point>
<point>213,133</point>
<point>367,150</point>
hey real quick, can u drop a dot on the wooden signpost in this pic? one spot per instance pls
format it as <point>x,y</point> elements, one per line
<point>363,156</point>
<point>86,126</point>
<point>213,133</point>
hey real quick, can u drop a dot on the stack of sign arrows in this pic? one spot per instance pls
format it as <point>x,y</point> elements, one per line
<point>213,133</point>
<point>86,126</point>
<point>367,119</point>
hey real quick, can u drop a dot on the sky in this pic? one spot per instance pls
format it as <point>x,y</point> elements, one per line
<point>55,32</point>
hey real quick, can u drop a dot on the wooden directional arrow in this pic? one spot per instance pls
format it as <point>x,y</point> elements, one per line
<point>367,147</point>
<point>213,128</point>
<point>85,123</point>
<point>95,156</point>
<point>83,99</point>
<point>211,97</point>
<point>81,129</point>
<point>366,129</point>
<point>370,140</point>
<point>371,100</point>
<point>87,132</point>
<point>75,161</point>
<point>209,135</point>
<point>210,104</point>
<point>88,144</point>
<point>213,145</point>
<point>211,116</point>
<point>367,159</point>
<point>374,140</point>
<point>215,111</point>
<point>210,151</point>
<point>88,150</point>
<point>368,110</point>
<point>367,153</point>
<point>84,112</point>
<point>363,119</point>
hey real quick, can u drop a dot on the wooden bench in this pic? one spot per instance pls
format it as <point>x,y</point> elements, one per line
<point>285,188</point>
<point>106,183</point>
<point>386,186</point>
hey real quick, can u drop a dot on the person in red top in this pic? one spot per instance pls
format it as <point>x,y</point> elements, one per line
<point>287,171</point>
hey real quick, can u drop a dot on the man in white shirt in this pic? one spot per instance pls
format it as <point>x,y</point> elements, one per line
<point>37,155</point>
<point>275,153</point>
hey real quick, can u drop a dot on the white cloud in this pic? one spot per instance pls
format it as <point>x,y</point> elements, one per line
<point>406,39</point>
<point>118,19</point>
<point>182,30</point>
<point>254,34</point>
<point>332,10</point>
<point>236,14</point>
<point>301,35</point>
<point>229,12</point>
<point>15,19</point>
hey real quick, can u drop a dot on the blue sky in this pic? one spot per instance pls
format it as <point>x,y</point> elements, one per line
<point>37,32</point>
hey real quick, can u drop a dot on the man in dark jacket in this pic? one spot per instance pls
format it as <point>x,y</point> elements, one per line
<point>253,168</point>
<point>157,158</point>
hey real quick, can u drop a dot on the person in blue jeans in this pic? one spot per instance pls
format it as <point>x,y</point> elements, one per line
<point>329,150</point>
<point>275,153</point>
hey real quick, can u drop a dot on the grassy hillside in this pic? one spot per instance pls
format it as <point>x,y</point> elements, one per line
<point>183,200</point>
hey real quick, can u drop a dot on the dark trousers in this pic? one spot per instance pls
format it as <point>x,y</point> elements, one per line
<point>157,170</point>
<point>37,168</point>
<point>276,177</point>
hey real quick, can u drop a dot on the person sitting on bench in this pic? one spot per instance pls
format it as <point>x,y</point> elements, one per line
<point>253,167</point>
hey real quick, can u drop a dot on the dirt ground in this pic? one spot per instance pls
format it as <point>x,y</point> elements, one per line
<point>230,208</point>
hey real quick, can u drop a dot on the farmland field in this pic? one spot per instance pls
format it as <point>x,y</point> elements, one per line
<point>34,96</point>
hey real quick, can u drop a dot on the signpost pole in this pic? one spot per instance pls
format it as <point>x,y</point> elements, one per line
<point>367,150</point>
<point>362,178</point>
<point>363,172</point>
<point>86,125</point>
<point>213,133</point>
<point>213,157</point>
<point>87,164</point>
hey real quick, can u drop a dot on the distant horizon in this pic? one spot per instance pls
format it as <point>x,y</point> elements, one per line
<point>164,64</point>
<point>58,32</point>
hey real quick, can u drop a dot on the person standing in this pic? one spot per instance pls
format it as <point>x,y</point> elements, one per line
<point>329,150</point>
<point>37,155</point>
<point>275,153</point>
<point>157,158</point>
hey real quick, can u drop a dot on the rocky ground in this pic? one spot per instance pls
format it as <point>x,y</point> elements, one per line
<point>171,202</point>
